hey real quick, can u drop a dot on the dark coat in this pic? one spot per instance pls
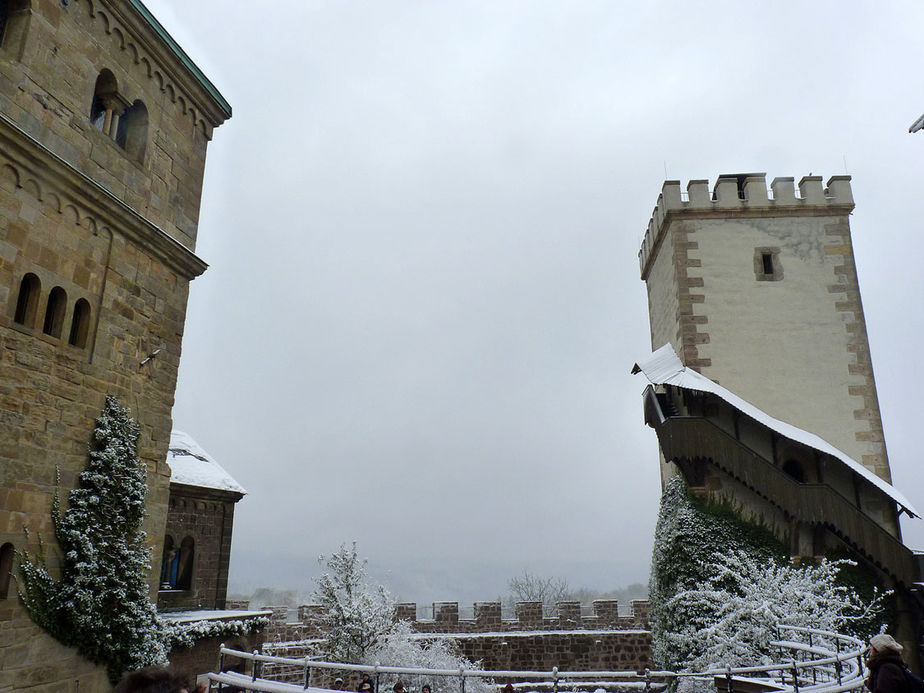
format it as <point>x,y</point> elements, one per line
<point>887,673</point>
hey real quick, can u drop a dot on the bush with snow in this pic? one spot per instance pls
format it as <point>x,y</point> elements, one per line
<point>400,648</point>
<point>100,605</point>
<point>719,587</point>
<point>186,634</point>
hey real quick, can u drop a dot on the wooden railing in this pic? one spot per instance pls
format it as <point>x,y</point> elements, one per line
<point>815,504</point>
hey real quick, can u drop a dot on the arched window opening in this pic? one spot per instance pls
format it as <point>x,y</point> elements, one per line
<point>185,564</point>
<point>168,565</point>
<point>27,301</point>
<point>6,568</point>
<point>80,324</point>
<point>132,133</point>
<point>14,23</point>
<point>107,104</point>
<point>794,470</point>
<point>54,312</point>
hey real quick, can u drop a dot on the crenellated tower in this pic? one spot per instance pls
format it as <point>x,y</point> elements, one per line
<point>757,289</point>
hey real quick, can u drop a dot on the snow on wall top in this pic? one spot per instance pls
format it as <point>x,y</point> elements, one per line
<point>664,367</point>
<point>190,464</point>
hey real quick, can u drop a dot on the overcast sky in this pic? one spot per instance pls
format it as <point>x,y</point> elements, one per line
<point>422,224</point>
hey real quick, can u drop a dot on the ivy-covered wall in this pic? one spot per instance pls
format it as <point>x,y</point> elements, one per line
<point>698,549</point>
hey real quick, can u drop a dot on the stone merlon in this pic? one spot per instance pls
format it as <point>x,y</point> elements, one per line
<point>745,194</point>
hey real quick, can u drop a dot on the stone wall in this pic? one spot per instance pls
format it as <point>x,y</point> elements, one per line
<point>575,650</point>
<point>302,623</point>
<point>104,239</point>
<point>207,517</point>
<point>203,657</point>
<point>568,640</point>
<point>529,616</point>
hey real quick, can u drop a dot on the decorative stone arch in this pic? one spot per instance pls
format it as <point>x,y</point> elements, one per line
<point>27,301</point>
<point>7,552</point>
<point>106,102</point>
<point>80,324</point>
<point>54,312</point>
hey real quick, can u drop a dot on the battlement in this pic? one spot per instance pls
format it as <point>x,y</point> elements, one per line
<point>529,616</point>
<point>487,617</point>
<point>744,194</point>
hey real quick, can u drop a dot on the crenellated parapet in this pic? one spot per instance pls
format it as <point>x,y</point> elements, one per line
<point>746,195</point>
<point>287,624</point>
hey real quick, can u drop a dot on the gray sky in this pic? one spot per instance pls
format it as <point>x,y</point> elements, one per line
<point>423,223</point>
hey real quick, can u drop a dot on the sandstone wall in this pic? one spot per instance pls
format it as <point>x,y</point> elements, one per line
<point>95,228</point>
<point>206,516</point>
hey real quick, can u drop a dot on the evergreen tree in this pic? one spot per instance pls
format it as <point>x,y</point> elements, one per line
<point>100,605</point>
<point>357,614</point>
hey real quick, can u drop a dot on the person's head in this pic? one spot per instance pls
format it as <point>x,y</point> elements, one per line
<point>884,644</point>
<point>153,680</point>
<point>398,687</point>
<point>508,688</point>
<point>338,683</point>
<point>425,688</point>
<point>365,676</point>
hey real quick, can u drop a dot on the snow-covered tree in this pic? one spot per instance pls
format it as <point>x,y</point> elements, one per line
<point>100,604</point>
<point>719,586</point>
<point>356,613</point>
<point>731,618</point>
<point>400,648</point>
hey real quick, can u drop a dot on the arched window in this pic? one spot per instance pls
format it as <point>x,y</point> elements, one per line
<point>185,564</point>
<point>168,565</point>
<point>132,134</point>
<point>107,105</point>
<point>80,324</point>
<point>54,312</point>
<point>794,469</point>
<point>27,301</point>
<point>6,568</point>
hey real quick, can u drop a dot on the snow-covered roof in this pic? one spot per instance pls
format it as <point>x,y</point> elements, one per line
<point>664,367</point>
<point>190,464</point>
<point>212,615</point>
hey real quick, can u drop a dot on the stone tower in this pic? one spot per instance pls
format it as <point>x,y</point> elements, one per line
<point>757,290</point>
<point>104,124</point>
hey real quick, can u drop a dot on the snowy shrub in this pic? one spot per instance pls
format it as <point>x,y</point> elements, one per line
<point>101,605</point>
<point>186,634</point>
<point>744,599</point>
<point>719,586</point>
<point>356,614</point>
<point>399,648</point>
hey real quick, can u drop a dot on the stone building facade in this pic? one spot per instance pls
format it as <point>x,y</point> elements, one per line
<point>771,407</point>
<point>740,281</point>
<point>104,125</point>
<point>197,538</point>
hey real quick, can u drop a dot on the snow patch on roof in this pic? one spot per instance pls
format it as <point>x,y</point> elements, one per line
<point>664,367</point>
<point>190,464</point>
<point>212,615</point>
